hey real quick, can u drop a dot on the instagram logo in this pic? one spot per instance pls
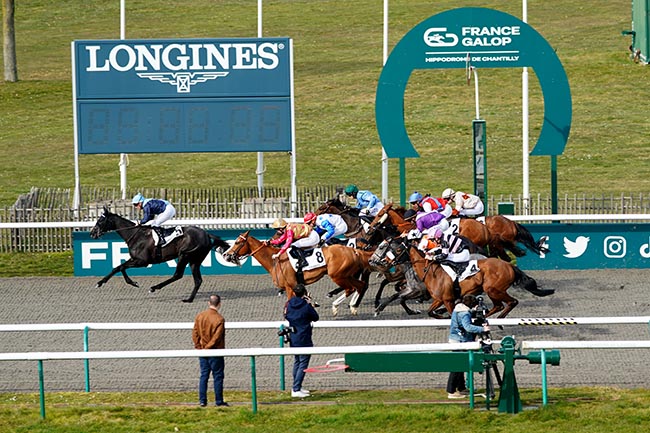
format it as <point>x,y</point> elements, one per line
<point>615,247</point>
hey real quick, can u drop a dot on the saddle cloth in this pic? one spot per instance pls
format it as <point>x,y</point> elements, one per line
<point>170,235</point>
<point>471,269</point>
<point>315,259</point>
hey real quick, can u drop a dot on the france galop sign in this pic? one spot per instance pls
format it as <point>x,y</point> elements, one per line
<point>492,39</point>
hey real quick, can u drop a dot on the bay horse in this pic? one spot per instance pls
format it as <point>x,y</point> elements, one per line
<point>192,247</point>
<point>494,278</point>
<point>343,265</point>
<point>349,214</point>
<point>505,234</point>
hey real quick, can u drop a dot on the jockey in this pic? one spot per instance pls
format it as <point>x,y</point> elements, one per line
<point>297,236</point>
<point>156,212</point>
<point>465,204</point>
<point>428,222</point>
<point>429,204</point>
<point>327,225</point>
<point>450,248</point>
<point>367,202</point>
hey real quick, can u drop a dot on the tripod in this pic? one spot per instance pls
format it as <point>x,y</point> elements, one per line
<point>491,369</point>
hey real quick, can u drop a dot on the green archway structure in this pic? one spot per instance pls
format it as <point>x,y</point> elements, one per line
<point>492,39</point>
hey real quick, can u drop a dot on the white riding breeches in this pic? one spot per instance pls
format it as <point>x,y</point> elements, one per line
<point>478,210</point>
<point>159,219</point>
<point>309,242</point>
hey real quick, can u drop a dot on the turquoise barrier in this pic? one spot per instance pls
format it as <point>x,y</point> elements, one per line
<point>572,246</point>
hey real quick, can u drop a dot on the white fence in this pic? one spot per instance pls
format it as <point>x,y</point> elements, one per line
<point>333,350</point>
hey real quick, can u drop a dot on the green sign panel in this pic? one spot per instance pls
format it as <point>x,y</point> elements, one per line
<point>491,39</point>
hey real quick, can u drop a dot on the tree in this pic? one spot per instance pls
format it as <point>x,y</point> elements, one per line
<point>9,41</point>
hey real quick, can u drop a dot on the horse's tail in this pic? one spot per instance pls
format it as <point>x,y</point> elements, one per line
<point>217,243</point>
<point>526,238</point>
<point>529,284</point>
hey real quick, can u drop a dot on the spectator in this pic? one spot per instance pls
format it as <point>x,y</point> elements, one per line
<point>209,333</point>
<point>300,314</point>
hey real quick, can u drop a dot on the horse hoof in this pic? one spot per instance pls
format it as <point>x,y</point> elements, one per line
<point>188,301</point>
<point>152,290</point>
<point>335,311</point>
<point>354,311</point>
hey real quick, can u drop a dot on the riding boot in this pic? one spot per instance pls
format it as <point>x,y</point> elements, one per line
<point>302,260</point>
<point>161,241</point>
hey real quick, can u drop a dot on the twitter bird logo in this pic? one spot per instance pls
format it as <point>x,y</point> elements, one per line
<point>575,248</point>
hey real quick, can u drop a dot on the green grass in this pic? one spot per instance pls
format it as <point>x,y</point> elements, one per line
<point>594,410</point>
<point>338,58</point>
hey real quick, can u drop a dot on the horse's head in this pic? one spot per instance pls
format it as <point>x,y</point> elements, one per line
<point>103,225</point>
<point>380,219</point>
<point>334,206</point>
<point>390,252</point>
<point>239,249</point>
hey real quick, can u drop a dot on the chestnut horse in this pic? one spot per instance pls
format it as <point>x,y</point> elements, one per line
<point>494,278</point>
<point>342,264</point>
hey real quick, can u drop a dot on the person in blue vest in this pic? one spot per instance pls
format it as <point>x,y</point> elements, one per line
<point>462,330</point>
<point>155,213</point>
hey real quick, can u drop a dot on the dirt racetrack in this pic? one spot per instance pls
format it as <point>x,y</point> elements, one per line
<point>600,293</point>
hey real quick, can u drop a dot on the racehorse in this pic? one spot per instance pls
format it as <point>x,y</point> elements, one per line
<point>504,235</point>
<point>494,278</point>
<point>349,214</point>
<point>469,228</point>
<point>343,265</point>
<point>191,248</point>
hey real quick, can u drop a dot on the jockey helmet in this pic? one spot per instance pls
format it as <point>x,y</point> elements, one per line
<point>279,223</point>
<point>437,234</point>
<point>409,214</point>
<point>138,198</point>
<point>309,217</point>
<point>351,190</point>
<point>414,235</point>
<point>446,194</point>
<point>416,197</point>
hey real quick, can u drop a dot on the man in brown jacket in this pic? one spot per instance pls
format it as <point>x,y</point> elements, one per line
<point>209,333</point>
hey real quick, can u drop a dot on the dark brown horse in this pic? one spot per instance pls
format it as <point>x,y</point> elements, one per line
<point>190,248</point>
<point>494,278</point>
<point>349,214</point>
<point>505,234</point>
<point>343,265</point>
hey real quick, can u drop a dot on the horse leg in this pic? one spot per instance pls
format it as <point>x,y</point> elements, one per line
<point>383,284</point>
<point>333,292</point>
<point>178,274</point>
<point>198,280</point>
<point>122,268</point>
<point>335,304</point>
<point>384,304</point>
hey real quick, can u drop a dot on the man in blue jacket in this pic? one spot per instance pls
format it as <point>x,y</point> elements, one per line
<point>300,314</point>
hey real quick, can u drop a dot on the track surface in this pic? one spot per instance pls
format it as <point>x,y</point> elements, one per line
<point>252,298</point>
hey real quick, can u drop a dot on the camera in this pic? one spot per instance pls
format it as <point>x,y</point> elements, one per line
<point>479,312</point>
<point>284,333</point>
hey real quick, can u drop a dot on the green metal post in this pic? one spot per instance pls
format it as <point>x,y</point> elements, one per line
<point>253,385</point>
<point>470,379</point>
<point>509,400</point>
<point>41,387</point>
<point>282,381</point>
<point>544,382</point>
<point>86,361</point>
<point>554,185</point>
